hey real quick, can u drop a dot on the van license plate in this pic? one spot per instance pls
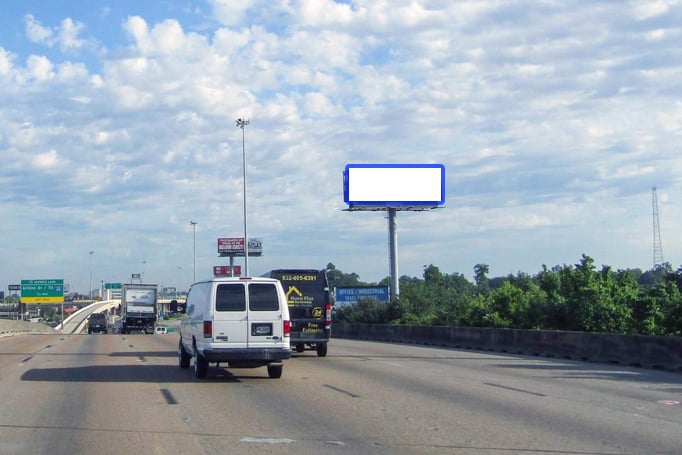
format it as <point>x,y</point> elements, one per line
<point>261,329</point>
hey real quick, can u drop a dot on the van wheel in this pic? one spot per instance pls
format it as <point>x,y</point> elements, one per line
<point>183,356</point>
<point>300,347</point>
<point>321,349</point>
<point>200,365</point>
<point>275,370</point>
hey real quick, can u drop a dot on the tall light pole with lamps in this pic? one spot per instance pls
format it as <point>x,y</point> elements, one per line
<point>90,293</point>
<point>241,123</point>
<point>194,236</point>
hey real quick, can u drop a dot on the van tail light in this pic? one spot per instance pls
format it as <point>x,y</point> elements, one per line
<point>328,324</point>
<point>287,328</point>
<point>208,329</point>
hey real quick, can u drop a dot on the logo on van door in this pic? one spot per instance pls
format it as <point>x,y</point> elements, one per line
<point>317,312</point>
<point>296,297</point>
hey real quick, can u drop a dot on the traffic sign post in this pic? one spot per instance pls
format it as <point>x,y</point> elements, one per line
<point>42,291</point>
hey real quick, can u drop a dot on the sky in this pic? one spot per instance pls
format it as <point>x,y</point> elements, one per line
<point>554,121</point>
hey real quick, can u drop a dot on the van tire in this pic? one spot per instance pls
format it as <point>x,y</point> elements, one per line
<point>321,349</point>
<point>183,357</point>
<point>200,365</point>
<point>275,370</point>
<point>300,347</point>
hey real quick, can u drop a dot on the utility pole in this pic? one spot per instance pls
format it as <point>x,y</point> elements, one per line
<point>658,248</point>
<point>194,228</point>
<point>90,293</point>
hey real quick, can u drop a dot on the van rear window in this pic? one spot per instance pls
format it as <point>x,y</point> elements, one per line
<point>230,297</point>
<point>263,297</point>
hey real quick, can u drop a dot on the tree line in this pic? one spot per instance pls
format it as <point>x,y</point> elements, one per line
<point>576,297</point>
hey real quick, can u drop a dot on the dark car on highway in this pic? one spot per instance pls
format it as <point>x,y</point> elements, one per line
<point>97,323</point>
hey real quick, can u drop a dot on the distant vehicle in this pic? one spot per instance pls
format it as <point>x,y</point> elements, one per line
<point>310,307</point>
<point>160,330</point>
<point>97,322</point>
<point>138,307</point>
<point>243,322</point>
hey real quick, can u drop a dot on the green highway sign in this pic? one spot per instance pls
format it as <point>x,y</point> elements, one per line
<point>113,286</point>
<point>42,291</point>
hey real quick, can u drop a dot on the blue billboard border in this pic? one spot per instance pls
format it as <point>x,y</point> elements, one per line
<point>400,205</point>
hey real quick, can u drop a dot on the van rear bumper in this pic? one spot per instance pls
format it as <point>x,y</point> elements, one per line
<point>250,354</point>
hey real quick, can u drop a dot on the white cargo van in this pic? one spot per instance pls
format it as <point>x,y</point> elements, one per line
<point>243,322</point>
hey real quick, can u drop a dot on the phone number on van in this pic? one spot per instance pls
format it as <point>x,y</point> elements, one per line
<point>298,277</point>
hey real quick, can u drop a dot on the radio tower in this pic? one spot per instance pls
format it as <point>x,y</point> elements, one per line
<point>658,249</point>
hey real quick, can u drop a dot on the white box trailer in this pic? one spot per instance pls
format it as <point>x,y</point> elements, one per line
<point>139,307</point>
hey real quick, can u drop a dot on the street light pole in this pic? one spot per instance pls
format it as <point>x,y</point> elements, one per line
<point>194,236</point>
<point>90,292</point>
<point>241,123</point>
<point>177,289</point>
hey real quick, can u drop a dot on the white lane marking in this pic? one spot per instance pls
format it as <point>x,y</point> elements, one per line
<point>267,440</point>
<point>335,443</point>
<point>668,402</point>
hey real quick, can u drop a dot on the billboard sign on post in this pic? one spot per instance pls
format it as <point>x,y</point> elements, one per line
<point>226,270</point>
<point>393,188</point>
<point>231,246</point>
<point>402,186</point>
<point>234,246</point>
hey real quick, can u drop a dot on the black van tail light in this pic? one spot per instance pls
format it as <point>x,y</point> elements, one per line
<point>208,329</point>
<point>328,324</point>
<point>287,328</point>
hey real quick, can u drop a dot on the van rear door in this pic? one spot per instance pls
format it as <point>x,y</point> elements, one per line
<point>230,320</point>
<point>265,315</point>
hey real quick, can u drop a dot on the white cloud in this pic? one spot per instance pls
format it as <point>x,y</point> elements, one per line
<point>651,8</point>
<point>68,34</point>
<point>5,61</point>
<point>323,12</point>
<point>65,36</point>
<point>229,12</point>
<point>47,160</point>
<point>36,32</point>
<point>39,68</point>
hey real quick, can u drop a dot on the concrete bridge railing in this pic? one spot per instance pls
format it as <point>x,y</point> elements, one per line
<point>630,350</point>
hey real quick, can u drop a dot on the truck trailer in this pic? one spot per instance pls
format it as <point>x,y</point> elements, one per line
<point>139,307</point>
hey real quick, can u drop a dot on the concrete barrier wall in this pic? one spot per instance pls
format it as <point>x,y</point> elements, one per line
<point>631,350</point>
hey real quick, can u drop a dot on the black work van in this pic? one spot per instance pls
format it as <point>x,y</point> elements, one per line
<point>310,307</point>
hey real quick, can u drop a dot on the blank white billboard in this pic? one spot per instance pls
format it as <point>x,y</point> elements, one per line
<point>394,184</point>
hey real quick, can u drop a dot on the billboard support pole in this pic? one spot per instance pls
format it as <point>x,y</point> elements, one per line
<point>393,252</point>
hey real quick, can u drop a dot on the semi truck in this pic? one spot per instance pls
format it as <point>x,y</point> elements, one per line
<point>138,307</point>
